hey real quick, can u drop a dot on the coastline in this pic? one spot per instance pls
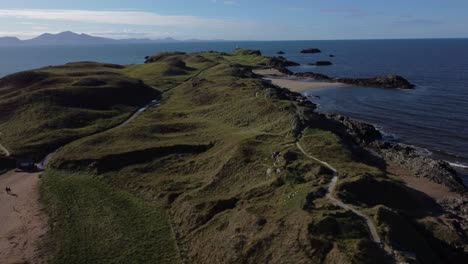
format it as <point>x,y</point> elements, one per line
<point>294,84</point>
<point>433,187</point>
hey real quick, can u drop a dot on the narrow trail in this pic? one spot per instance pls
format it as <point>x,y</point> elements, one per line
<point>22,223</point>
<point>330,196</point>
<point>4,150</point>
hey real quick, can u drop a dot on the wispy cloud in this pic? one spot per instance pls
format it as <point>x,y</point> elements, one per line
<point>350,11</point>
<point>136,18</point>
<point>418,22</point>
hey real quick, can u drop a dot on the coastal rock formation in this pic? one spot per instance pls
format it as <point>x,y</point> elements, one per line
<point>331,56</point>
<point>368,137</point>
<point>280,52</point>
<point>311,50</point>
<point>456,209</point>
<point>420,165</point>
<point>322,63</point>
<point>389,81</point>
<point>281,63</point>
<point>362,133</point>
<point>312,75</point>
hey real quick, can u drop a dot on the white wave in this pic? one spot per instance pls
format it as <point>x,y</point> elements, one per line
<point>458,165</point>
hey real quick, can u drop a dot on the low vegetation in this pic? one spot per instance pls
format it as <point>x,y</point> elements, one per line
<point>212,174</point>
<point>47,108</point>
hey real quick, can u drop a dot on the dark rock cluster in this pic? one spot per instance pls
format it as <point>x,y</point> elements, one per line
<point>281,63</point>
<point>311,50</point>
<point>322,63</point>
<point>312,75</point>
<point>389,81</point>
<point>456,210</point>
<point>420,165</point>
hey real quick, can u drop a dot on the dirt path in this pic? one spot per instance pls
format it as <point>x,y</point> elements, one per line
<point>4,150</point>
<point>330,196</point>
<point>21,221</point>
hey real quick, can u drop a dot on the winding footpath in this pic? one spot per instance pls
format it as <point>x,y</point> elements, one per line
<point>4,150</point>
<point>22,222</point>
<point>330,196</point>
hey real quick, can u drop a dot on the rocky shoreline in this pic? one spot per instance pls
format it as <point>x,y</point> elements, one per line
<point>389,81</point>
<point>367,144</point>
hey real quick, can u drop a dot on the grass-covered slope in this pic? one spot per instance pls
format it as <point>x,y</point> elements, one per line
<point>219,154</point>
<point>45,108</point>
<point>96,223</point>
<point>213,175</point>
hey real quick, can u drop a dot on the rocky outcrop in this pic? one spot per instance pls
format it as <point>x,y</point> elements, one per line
<point>361,133</point>
<point>331,56</point>
<point>389,81</point>
<point>421,165</point>
<point>367,143</point>
<point>312,75</point>
<point>322,63</point>
<point>311,50</point>
<point>281,63</point>
<point>456,210</point>
<point>280,52</point>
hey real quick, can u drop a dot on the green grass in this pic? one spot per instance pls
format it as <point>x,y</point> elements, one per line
<point>93,222</point>
<point>47,108</point>
<point>239,129</point>
<point>217,158</point>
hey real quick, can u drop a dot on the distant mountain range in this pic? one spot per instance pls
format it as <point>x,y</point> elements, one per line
<point>71,38</point>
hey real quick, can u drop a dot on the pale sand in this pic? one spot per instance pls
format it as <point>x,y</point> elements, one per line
<point>434,190</point>
<point>22,223</point>
<point>294,84</point>
<point>301,85</point>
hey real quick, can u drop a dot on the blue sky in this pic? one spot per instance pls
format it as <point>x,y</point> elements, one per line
<point>238,19</point>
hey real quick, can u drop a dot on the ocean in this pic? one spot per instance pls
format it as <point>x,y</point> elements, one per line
<point>433,116</point>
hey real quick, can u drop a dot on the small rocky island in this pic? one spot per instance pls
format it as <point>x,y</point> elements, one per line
<point>388,81</point>
<point>311,50</point>
<point>321,63</point>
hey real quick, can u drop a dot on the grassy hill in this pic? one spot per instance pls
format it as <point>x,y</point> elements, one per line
<point>213,175</point>
<point>44,109</point>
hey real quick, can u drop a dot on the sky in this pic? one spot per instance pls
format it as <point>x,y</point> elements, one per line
<point>238,19</point>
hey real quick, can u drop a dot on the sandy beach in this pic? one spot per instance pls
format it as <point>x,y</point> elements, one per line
<point>22,221</point>
<point>292,83</point>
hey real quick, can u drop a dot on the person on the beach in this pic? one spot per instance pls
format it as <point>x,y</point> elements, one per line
<point>8,190</point>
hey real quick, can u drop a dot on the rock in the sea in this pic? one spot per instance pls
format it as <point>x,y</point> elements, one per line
<point>281,63</point>
<point>280,52</point>
<point>322,63</point>
<point>312,75</point>
<point>331,56</point>
<point>389,81</point>
<point>311,50</point>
